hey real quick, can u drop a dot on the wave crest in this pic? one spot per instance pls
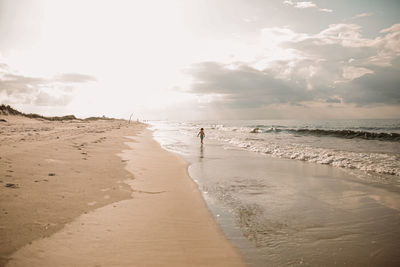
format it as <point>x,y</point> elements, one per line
<point>348,134</point>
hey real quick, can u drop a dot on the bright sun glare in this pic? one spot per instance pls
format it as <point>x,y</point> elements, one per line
<point>135,51</point>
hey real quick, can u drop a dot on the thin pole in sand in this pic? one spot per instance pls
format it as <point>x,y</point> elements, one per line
<point>130,118</point>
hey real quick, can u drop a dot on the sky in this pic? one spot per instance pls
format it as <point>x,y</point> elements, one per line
<point>202,59</point>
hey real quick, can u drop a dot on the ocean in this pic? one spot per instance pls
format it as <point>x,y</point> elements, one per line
<point>298,193</point>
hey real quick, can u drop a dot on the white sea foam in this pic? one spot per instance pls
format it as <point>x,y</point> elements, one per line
<point>366,161</point>
<point>285,141</point>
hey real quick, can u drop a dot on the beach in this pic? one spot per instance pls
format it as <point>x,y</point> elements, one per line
<point>107,192</point>
<point>100,193</point>
<point>199,133</point>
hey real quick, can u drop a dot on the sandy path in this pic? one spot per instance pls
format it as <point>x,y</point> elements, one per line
<point>166,223</point>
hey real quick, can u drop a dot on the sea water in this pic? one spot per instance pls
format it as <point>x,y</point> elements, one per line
<point>298,193</point>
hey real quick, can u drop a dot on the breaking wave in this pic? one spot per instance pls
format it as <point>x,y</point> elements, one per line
<point>348,134</point>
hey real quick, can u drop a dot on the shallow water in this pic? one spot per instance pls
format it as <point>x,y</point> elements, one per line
<point>283,212</point>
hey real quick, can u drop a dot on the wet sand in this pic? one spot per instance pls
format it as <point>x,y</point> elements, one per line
<point>74,204</point>
<point>299,213</point>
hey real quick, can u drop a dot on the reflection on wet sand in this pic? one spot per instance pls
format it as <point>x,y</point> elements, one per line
<point>201,151</point>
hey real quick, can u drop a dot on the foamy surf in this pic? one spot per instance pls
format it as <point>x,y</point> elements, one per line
<point>371,146</point>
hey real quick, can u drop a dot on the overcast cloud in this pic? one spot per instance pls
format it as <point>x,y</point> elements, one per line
<point>337,65</point>
<point>55,91</point>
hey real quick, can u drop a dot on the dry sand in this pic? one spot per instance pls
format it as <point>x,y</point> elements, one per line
<point>67,200</point>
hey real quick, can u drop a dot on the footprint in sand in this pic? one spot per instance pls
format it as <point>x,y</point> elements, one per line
<point>10,185</point>
<point>44,180</point>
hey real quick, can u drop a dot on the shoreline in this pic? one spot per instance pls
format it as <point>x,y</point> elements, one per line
<point>288,212</point>
<point>164,220</point>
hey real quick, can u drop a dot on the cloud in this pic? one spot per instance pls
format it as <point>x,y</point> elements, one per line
<point>326,10</point>
<point>46,99</point>
<point>344,41</point>
<point>14,83</point>
<point>380,86</point>
<point>74,78</point>
<point>362,15</point>
<point>336,66</point>
<point>305,4</point>
<point>18,88</point>
<point>347,35</point>
<point>351,72</point>
<point>244,86</point>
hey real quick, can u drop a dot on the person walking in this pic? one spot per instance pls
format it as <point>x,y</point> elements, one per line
<point>201,134</point>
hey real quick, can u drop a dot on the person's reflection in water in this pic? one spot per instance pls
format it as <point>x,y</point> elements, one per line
<point>201,152</point>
